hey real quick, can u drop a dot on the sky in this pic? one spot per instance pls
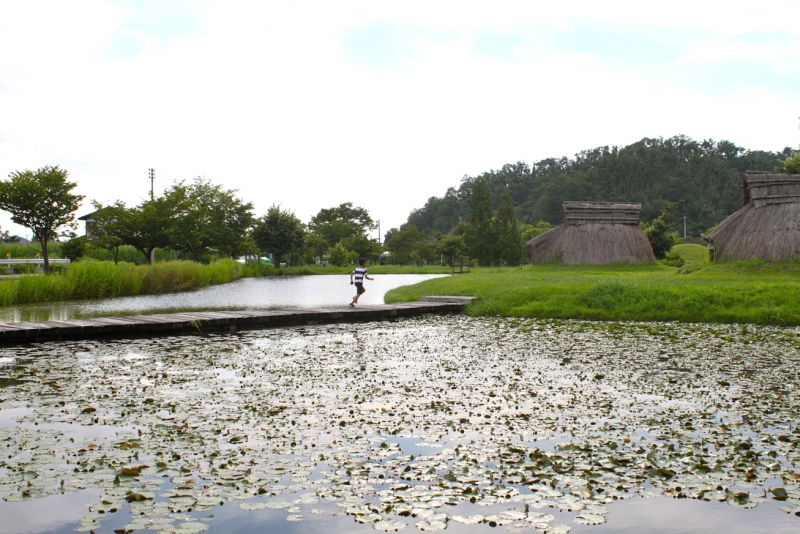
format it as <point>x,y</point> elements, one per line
<point>310,104</point>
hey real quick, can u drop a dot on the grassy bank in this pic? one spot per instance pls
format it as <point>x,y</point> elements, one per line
<point>91,280</point>
<point>746,292</point>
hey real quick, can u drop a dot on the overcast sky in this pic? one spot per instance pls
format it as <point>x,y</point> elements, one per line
<point>309,104</point>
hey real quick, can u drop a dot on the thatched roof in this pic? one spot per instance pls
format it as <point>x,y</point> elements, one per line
<point>595,233</point>
<point>767,227</point>
<point>577,213</point>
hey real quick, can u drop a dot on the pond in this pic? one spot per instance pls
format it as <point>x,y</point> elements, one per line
<point>424,424</point>
<point>248,293</point>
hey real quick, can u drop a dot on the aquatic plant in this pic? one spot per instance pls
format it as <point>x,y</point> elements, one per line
<point>519,423</point>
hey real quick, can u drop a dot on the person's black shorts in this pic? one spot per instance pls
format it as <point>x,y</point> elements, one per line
<point>359,288</point>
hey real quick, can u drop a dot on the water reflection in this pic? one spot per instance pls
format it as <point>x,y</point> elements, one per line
<point>249,293</point>
<point>57,513</point>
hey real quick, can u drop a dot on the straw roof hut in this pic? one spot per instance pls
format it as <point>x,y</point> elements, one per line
<point>767,227</point>
<point>595,233</point>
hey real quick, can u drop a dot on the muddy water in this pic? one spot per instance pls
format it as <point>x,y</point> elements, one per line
<point>249,293</point>
<point>454,423</point>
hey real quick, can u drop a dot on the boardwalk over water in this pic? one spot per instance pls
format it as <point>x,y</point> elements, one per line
<point>215,321</point>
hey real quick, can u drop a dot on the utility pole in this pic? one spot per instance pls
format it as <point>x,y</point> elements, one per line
<point>379,232</point>
<point>152,179</point>
<point>684,226</point>
<point>152,197</point>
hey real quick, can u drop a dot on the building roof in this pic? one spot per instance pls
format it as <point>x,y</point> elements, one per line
<point>601,212</point>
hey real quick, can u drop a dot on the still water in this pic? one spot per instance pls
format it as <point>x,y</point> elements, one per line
<point>249,293</point>
<point>470,425</point>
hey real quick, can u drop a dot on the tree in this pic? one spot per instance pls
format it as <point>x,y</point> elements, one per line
<point>279,232</point>
<point>529,231</point>
<point>152,224</point>
<point>6,237</point>
<point>210,220</point>
<point>42,201</point>
<point>480,236</point>
<point>340,255</point>
<point>109,227</point>
<point>450,246</point>
<point>509,240</point>
<point>404,242</point>
<point>342,222</point>
<point>76,248</point>
<point>658,232</point>
<point>790,165</point>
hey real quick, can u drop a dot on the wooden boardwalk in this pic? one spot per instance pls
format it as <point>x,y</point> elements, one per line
<point>215,321</point>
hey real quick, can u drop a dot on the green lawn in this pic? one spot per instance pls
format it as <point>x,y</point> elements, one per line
<point>746,292</point>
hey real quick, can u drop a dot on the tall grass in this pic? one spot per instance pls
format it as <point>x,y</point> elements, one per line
<point>182,275</point>
<point>92,280</point>
<point>29,250</point>
<point>95,280</point>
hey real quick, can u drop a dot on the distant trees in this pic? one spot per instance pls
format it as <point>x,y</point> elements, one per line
<point>706,175</point>
<point>404,243</point>
<point>506,230</point>
<point>279,233</point>
<point>199,219</point>
<point>41,200</point>
<point>209,220</point>
<point>658,232</point>
<point>479,236</point>
<point>107,230</point>
<point>344,225</point>
<point>492,239</point>
<point>6,237</point>
<point>790,165</point>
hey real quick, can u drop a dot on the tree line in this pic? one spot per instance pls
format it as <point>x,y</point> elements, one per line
<point>704,177</point>
<point>492,215</point>
<point>488,217</point>
<point>198,220</point>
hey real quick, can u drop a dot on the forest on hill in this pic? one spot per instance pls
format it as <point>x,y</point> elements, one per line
<point>705,177</point>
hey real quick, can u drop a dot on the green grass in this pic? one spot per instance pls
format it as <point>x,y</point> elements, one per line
<point>92,280</point>
<point>692,253</point>
<point>746,292</point>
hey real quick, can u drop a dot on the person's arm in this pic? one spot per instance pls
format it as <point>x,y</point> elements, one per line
<point>368,277</point>
<point>351,276</point>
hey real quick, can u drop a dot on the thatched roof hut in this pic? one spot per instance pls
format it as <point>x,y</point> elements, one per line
<point>595,233</point>
<point>767,227</point>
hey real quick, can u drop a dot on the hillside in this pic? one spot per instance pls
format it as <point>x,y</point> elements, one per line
<point>706,176</point>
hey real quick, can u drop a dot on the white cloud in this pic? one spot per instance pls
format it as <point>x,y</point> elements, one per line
<point>265,96</point>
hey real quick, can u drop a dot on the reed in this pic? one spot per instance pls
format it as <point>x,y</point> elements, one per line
<point>90,279</point>
<point>94,280</point>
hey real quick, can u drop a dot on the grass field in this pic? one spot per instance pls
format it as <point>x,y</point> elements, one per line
<point>692,253</point>
<point>736,292</point>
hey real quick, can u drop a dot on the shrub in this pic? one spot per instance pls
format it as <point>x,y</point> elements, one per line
<point>75,248</point>
<point>673,259</point>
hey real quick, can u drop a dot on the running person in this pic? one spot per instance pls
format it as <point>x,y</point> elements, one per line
<point>357,278</point>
